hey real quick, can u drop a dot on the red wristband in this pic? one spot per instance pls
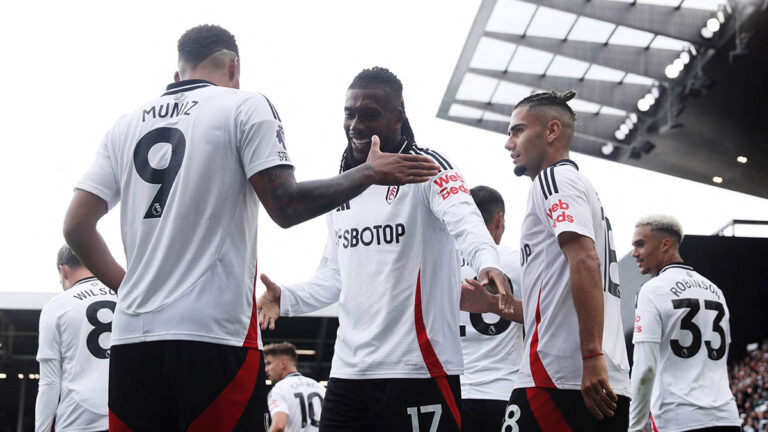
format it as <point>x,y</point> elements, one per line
<point>589,356</point>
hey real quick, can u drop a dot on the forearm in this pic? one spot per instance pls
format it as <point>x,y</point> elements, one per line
<point>80,233</point>
<point>643,377</point>
<point>322,290</point>
<point>47,395</point>
<point>586,288</point>
<point>289,203</point>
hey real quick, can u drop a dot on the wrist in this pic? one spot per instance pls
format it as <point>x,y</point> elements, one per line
<point>593,355</point>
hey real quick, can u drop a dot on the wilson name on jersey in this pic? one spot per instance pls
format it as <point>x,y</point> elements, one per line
<point>686,314</point>
<point>75,328</point>
<point>180,166</point>
<point>562,200</point>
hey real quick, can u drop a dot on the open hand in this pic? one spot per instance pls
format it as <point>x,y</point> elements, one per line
<point>398,169</point>
<point>595,389</point>
<point>269,304</point>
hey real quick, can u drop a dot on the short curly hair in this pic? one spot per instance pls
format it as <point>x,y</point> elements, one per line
<point>201,42</point>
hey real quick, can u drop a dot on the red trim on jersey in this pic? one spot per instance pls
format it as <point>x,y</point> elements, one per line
<point>434,366</point>
<point>225,411</point>
<point>539,374</point>
<point>653,424</point>
<point>252,337</point>
<point>545,411</point>
<point>117,425</point>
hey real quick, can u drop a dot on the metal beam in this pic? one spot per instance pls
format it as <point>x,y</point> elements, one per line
<point>641,61</point>
<point>677,23</point>
<point>470,46</point>
<point>580,143</point>
<point>621,96</point>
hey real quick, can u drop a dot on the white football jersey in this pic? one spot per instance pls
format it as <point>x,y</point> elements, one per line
<point>492,345</point>
<point>299,397</point>
<point>75,328</point>
<point>391,261</point>
<point>180,165</point>
<point>563,200</point>
<point>687,316</point>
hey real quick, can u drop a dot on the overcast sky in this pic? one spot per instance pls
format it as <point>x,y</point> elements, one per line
<point>71,68</point>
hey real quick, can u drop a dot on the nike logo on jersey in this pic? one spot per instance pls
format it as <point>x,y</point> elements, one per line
<point>367,236</point>
<point>168,110</point>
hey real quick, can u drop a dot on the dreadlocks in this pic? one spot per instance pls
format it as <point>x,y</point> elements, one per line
<point>383,79</point>
<point>550,99</point>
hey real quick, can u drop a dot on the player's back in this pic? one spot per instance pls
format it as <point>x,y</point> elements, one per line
<point>491,345</point>
<point>687,314</point>
<point>75,328</point>
<point>181,165</point>
<point>301,398</point>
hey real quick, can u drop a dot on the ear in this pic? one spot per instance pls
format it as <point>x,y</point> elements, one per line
<point>234,68</point>
<point>64,271</point>
<point>176,77</point>
<point>666,244</point>
<point>554,127</point>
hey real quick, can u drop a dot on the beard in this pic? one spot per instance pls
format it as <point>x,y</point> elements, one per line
<point>520,170</point>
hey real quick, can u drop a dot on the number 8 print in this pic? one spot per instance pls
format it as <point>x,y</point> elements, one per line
<point>510,419</point>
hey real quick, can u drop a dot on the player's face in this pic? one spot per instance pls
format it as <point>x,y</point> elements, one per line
<point>646,250</point>
<point>272,368</point>
<point>370,112</point>
<point>527,143</point>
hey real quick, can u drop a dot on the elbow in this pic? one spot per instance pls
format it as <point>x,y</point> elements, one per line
<point>285,221</point>
<point>588,261</point>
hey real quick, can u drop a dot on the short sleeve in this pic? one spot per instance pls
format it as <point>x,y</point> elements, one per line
<point>260,134</point>
<point>101,179</point>
<point>566,205</point>
<point>647,318</point>
<point>276,402</point>
<point>49,339</point>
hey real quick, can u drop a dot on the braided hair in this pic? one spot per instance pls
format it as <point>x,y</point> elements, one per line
<point>550,99</point>
<point>382,78</point>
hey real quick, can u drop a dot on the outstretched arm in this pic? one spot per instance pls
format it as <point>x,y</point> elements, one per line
<point>80,232</point>
<point>289,203</point>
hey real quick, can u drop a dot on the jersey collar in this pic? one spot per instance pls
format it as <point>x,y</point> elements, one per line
<point>680,265</point>
<point>84,280</point>
<point>566,162</point>
<point>186,85</point>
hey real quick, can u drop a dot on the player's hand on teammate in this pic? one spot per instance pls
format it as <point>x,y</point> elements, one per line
<point>394,169</point>
<point>497,283</point>
<point>476,299</point>
<point>598,395</point>
<point>269,304</point>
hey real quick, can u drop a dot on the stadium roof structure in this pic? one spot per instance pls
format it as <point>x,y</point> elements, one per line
<point>674,86</point>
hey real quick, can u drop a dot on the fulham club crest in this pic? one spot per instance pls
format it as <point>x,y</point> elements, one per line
<point>392,192</point>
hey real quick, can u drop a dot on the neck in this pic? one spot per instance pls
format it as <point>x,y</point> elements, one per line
<point>550,160</point>
<point>288,372</point>
<point>77,275</point>
<point>672,258</point>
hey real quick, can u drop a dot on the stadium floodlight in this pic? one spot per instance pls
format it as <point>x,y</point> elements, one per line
<point>720,16</point>
<point>678,64</point>
<point>629,123</point>
<point>3,376</point>
<point>655,92</point>
<point>717,179</point>
<point>643,105</point>
<point>692,49</point>
<point>20,376</point>
<point>706,33</point>
<point>624,129</point>
<point>685,57</point>
<point>607,148</point>
<point>633,117</point>
<point>619,135</point>
<point>671,71</point>
<point>742,159</point>
<point>713,25</point>
<point>649,97</point>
